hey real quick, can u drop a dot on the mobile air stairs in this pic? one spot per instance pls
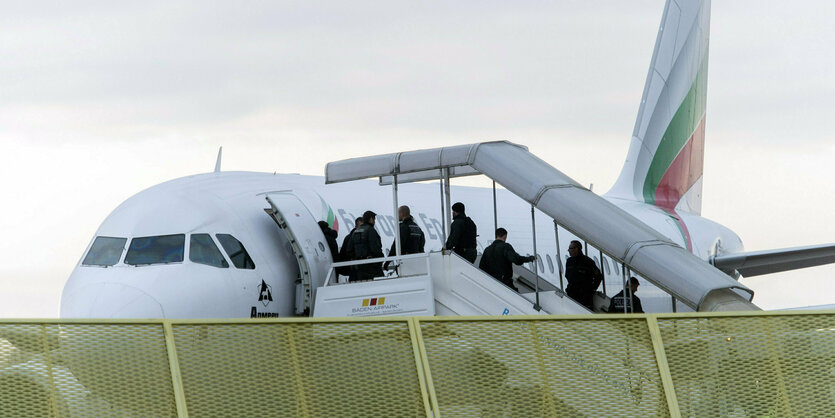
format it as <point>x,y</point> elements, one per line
<point>441,283</point>
<point>437,283</point>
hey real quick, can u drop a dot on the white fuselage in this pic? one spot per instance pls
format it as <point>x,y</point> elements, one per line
<point>233,203</point>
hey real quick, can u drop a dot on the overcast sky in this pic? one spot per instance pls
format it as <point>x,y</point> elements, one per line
<point>99,100</point>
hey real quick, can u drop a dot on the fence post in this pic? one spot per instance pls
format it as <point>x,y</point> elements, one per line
<point>774,362</point>
<point>174,364</point>
<point>53,401</point>
<point>663,366</point>
<point>421,366</point>
<point>417,342</point>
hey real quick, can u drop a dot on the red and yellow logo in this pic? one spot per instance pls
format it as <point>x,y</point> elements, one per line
<point>373,301</point>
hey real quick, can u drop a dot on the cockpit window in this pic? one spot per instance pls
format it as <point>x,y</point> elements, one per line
<point>202,250</point>
<point>105,251</point>
<point>236,251</point>
<point>156,250</point>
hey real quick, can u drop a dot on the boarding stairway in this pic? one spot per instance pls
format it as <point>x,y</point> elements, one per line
<point>445,284</point>
<point>529,282</point>
<point>639,248</point>
<point>438,283</point>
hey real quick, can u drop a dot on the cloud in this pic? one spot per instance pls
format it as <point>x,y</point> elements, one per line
<point>102,99</point>
<point>445,66</point>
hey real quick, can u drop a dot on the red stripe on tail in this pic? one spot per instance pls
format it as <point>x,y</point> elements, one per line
<point>684,172</point>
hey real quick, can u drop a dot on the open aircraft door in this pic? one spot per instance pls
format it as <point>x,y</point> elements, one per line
<point>307,242</point>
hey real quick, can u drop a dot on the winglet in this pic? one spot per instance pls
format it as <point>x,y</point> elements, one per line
<point>219,155</point>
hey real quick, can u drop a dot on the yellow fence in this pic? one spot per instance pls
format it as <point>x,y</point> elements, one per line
<point>747,364</point>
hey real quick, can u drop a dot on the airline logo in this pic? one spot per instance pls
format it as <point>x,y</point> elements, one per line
<point>329,216</point>
<point>678,162</point>
<point>265,294</point>
<point>374,301</point>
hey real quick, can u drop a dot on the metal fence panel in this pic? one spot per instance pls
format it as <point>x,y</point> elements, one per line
<point>757,365</point>
<point>24,391</point>
<point>730,364</point>
<point>299,369</point>
<point>567,367</point>
<point>84,370</point>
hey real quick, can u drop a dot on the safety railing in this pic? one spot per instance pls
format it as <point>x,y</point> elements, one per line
<point>720,364</point>
<point>396,261</point>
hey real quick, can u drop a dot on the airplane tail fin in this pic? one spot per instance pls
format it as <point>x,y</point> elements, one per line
<point>665,160</point>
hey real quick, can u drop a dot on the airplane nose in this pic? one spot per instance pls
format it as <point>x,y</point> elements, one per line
<point>110,300</point>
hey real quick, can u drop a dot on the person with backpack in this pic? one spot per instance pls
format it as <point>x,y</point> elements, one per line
<point>365,243</point>
<point>462,234</point>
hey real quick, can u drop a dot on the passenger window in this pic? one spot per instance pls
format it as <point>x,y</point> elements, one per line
<point>606,264</point>
<point>550,263</point>
<point>202,250</point>
<point>540,264</point>
<point>236,252</point>
<point>160,249</point>
<point>105,251</point>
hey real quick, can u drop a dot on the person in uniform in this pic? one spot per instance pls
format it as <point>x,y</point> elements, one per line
<point>364,244</point>
<point>619,300</point>
<point>412,239</point>
<point>330,238</point>
<point>499,257</point>
<point>343,250</point>
<point>462,234</point>
<point>345,255</point>
<point>582,274</point>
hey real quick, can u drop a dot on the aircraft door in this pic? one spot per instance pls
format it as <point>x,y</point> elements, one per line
<point>308,243</point>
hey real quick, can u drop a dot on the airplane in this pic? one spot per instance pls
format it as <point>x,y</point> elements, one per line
<point>210,245</point>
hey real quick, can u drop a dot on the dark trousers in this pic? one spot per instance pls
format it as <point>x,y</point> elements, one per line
<point>469,254</point>
<point>582,297</point>
<point>509,283</point>
<point>368,272</point>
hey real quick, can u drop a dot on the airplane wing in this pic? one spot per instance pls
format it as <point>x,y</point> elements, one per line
<point>811,308</point>
<point>756,263</point>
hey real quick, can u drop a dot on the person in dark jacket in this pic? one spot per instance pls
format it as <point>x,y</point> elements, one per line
<point>412,239</point>
<point>345,255</point>
<point>364,244</point>
<point>343,250</point>
<point>583,276</point>
<point>462,234</point>
<point>618,301</point>
<point>330,237</point>
<point>499,257</point>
